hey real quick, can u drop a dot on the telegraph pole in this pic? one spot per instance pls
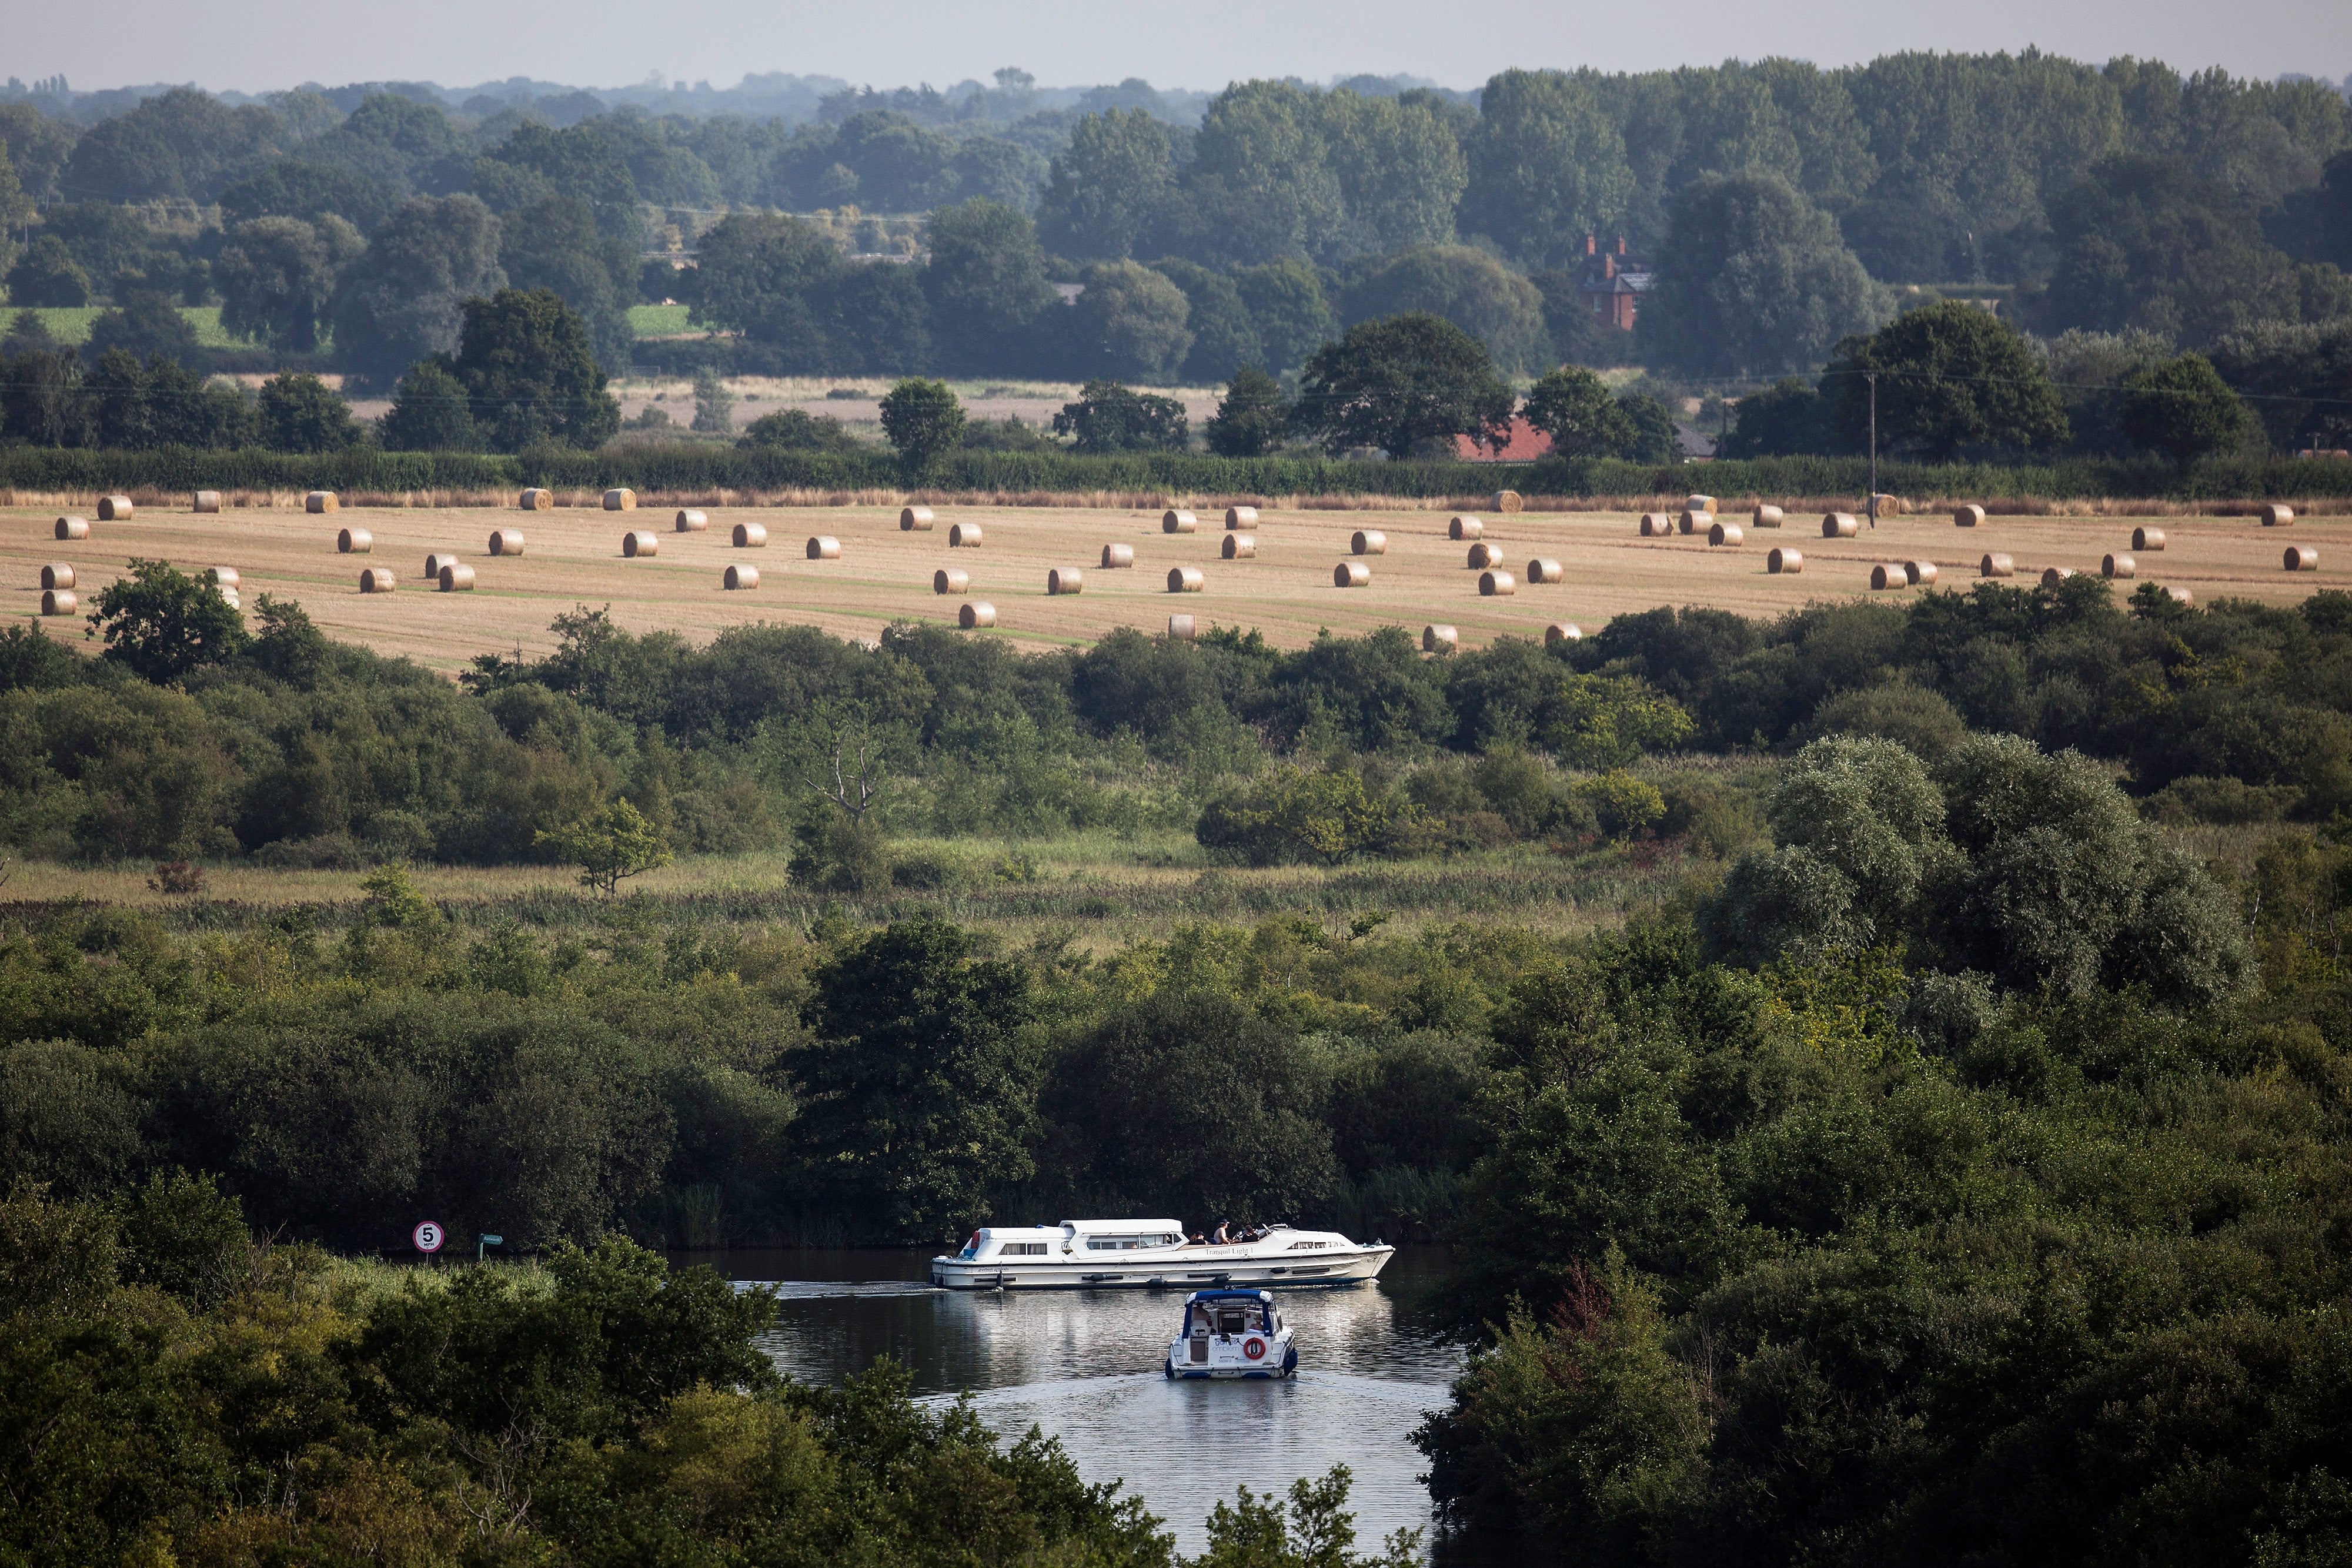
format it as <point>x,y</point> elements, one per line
<point>1872,377</point>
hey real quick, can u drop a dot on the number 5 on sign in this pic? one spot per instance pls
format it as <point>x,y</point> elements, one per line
<point>428,1236</point>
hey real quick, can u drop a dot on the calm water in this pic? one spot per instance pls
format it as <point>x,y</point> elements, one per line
<point>1084,1366</point>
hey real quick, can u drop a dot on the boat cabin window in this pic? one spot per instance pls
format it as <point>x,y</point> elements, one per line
<point>1308,1246</point>
<point>1022,1250</point>
<point>1129,1243</point>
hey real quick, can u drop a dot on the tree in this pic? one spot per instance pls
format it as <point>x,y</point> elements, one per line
<point>46,274</point>
<point>1109,417</point>
<point>1288,309</point>
<point>1576,409</point>
<point>529,374</point>
<point>1949,375</point>
<point>922,419</point>
<point>1786,418</point>
<point>1468,287</point>
<point>714,405</point>
<point>299,413</point>
<point>277,274</point>
<point>609,846</point>
<point>556,244</point>
<point>1546,166</point>
<point>1394,383</point>
<point>1261,146</point>
<point>793,430</point>
<point>160,623</point>
<point>1251,419</point>
<point>144,323</point>
<point>429,412</point>
<point>987,289</point>
<point>293,188</point>
<point>1107,185</point>
<point>2185,411</point>
<point>1754,280</point>
<point>405,298</point>
<point>1399,167</point>
<point>1223,335</point>
<point>1291,814</point>
<point>1128,323</point>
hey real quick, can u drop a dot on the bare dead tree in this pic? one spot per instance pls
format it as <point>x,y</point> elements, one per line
<point>854,792</point>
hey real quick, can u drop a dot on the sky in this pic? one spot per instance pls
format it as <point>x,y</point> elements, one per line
<point>260,45</point>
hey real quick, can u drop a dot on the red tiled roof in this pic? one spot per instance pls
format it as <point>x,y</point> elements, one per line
<point>1526,445</point>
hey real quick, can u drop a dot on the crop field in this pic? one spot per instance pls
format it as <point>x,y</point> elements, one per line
<point>883,574</point>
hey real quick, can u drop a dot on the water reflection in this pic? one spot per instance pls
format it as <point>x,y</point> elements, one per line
<point>1084,1367</point>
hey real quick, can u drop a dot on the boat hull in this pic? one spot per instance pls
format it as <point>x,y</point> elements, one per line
<point>1166,1271</point>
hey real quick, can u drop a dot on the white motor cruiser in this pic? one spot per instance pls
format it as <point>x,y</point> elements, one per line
<point>1233,1333</point>
<point>1093,1254</point>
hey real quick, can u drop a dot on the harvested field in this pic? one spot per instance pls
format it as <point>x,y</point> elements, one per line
<point>885,575</point>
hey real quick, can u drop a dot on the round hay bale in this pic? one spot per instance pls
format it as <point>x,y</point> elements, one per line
<point>1368,541</point>
<point>2180,595</point>
<point>1922,573</point>
<point>824,546</point>
<point>58,601</point>
<point>1065,579</point>
<point>1767,517</point>
<point>740,577</point>
<point>1482,556</point>
<point>353,541</point>
<point>1545,569</point>
<point>1439,639</point>
<point>1969,517</point>
<point>434,563</point>
<point>975,614</point>
<point>2147,541</point>
<point>114,508</point>
<point>1562,632</point>
<point>222,576</point>
<point>2302,558</point>
<point>206,501</point>
<point>1884,506</point>
<point>914,519</point>
<point>1724,535</point>
<point>318,503</point>
<point>1657,525</point>
<point>1172,522</point>
<point>1351,574</point>
<point>638,542</point>
<point>1240,547</point>
<point>57,574</point>
<point>376,580</point>
<point>1115,556</point>
<point>2052,576</point>
<point>1892,576</point>
<point>1496,585</point>
<point>947,579</point>
<point>1699,504</point>
<point>963,535</point>
<point>1507,501</point>
<point>622,499</point>
<point>1186,580</point>
<point>1840,526</point>
<point>691,521</point>
<point>535,500</point>
<point>229,597</point>
<point>1997,565</point>
<point>1180,628</point>
<point>1460,528</point>
<point>1691,522</point>
<point>2275,516</point>
<point>2118,566</point>
<point>456,577</point>
<point>1783,561</point>
<point>505,542</point>
<point>73,528</point>
<point>751,536</point>
<point>1240,517</point>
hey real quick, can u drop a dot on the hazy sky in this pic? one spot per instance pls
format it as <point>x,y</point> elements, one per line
<point>255,45</point>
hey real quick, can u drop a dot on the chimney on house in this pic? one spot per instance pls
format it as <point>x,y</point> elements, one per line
<point>1621,244</point>
<point>1591,246</point>
<point>1608,266</point>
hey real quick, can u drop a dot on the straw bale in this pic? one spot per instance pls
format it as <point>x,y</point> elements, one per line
<point>1657,525</point>
<point>1482,556</point>
<point>505,542</point>
<point>1969,517</point>
<point>535,500</point>
<point>1887,506</point>
<point>1840,526</point>
<point>1767,517</point>
<point>1368,541</point>
<point>1439,639</point>
<point>1240,547</point>
<point>1351,574</point>
<point>2302,558</point>
<point>434,562</point>
<point>58,601</point>
<point>1180,628</point>
<point>914,519</point>
<point>751,536</point>
<point>114,508</point>
<point>1726,535</point>
<point>2180,595</point>
<point>2118,566</point>
<point>222,576</point>
<point>57,574</point>
<point>1238,517</point>
<point>353,541</point>
<point>1693,522</point>
<point>1066,579</point>
<point>1997,564</point>
<point>2052,576</point>
<point>229,598</point>
<point>739,577</point>
<point>1506,501</point>
<point>318,503</point>
<point>206,501</point>
<point>1172,522</point>
<point>1562,632</point>
<point>638,542</point>
<point>824,546</point>
<point>1459,529</point>
<point>73,528</point>
<point>1545,569</point>
<point>691,521</point>
<point>1922,573</point>
<point>2274,516</point>
<point>963,535</point>
<point>975,614</point>
<point>1496,585</point>
<point>1783,561</point>
<point>623,499</point>
<point>1186,580</point>
<point>376,580</point>
<point>456,577</point>
<point>1699,504</point>
<point>947,579</point>
<point>1891,575</point>
<point>2147,541</point>
<point>1113,557</point>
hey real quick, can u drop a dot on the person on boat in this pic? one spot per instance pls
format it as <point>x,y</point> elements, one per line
<point>1223,1234</point>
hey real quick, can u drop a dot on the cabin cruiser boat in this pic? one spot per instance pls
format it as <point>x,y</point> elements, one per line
<point>1095,1254</point>
<point>1233,1333</point>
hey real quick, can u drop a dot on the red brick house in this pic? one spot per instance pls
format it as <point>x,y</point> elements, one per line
<point>1526,444</point>
<point>1612,283</point>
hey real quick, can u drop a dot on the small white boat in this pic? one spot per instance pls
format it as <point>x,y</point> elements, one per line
<point>1233,1333</point>
<point>1114,1254</point>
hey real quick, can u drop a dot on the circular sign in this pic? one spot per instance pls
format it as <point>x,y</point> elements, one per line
<point>429,1236</point>
<point>1254,1348</point>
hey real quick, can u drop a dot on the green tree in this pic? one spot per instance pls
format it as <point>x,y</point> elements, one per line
<point>299,413</point>
<point>1656,437</point>
<point>405,298</point>
<point>557,244</point>
<point>987,288</point>
<point>609,846</point>
<point>714,405</point>
<point>1129,323</point>
<point>1107,185</point>
<point>921,419</point>
<point>160,623</point>
<point>1109,417</point>
<point>430,413</point>
<point>1949,375</point>
<point>1291,814</point>
<point>46,274</point>
<point>1400,166</point>
<point>1288,309</point>
<point>1786,418</point>
<point>2184,410</point>
<point>793,429</point>
<point>276,276</point>
<point>530,374</point>
<point>1394,383</point>
<point>1254,1532</point>
<point>1576,409</point>
<point>1546,166</point>
<point>1261,146</point>
<point>1468,287</point>
<point>1224,334</point>
<point>1753,279</point>
<point>145,323</point>
<point>1251,418</point>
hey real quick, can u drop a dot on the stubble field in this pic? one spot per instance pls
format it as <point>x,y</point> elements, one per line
<point>884,574</point>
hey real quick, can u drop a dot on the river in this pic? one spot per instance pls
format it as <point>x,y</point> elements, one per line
<point>1084,1366</point>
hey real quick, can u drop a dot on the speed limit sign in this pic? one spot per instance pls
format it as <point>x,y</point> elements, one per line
<point>429,1236</point>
